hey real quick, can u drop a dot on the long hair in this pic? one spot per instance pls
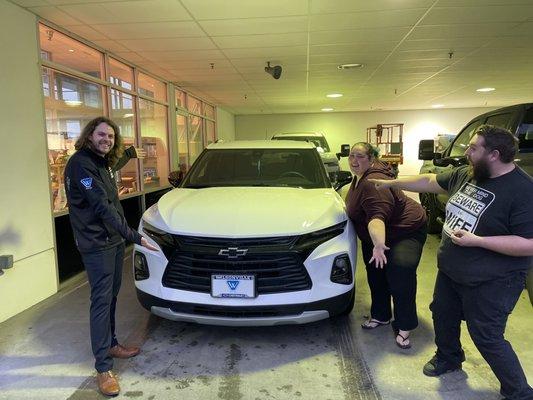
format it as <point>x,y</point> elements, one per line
<point>84,142</point>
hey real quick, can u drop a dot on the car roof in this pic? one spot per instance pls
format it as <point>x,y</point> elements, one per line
<point>261,144</point>
<point>310,134</point>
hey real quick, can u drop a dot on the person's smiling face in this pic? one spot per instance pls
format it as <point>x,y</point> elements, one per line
<point>359,160</point>
<point>102,139</point>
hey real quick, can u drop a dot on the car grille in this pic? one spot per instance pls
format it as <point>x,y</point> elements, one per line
<point>277,266</point>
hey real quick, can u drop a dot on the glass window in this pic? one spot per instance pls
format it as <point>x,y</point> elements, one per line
<point>196,137</point>
<point>123,114</point>
<point>210,134</point>
<point>209,111</point>
<point>152,87</point>
<point>194,105</point>
<point>180,98</point>
<point>183,145</point>
<point>155,143</point>
<point>501,120</point>
<point>460,144</point>
<point>66,51</point>
<point>120,74</point>
<point>70,103</point>
<point>525,131</point>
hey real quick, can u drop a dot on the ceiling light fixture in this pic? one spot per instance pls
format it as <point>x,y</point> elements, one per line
<point>485,89</point>
<point>437,105</point>
<point>275,71</point>
<point>349,66</point>
<point>334,95</point>
<point>327,109</point>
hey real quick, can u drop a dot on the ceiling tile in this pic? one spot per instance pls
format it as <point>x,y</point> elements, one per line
<point>358,35</point>
<point>251,41</point>
<point>55,15</point>
<point>128,11</point>
<point>168,44</point>
<point>150,30</point>
<point>341,6</point>
<point>230,9</point>
<point>378,19</point>
<point>471,15</point>
<point>254,26</point>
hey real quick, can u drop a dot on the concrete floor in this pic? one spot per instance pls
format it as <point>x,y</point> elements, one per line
<point>45,354</point>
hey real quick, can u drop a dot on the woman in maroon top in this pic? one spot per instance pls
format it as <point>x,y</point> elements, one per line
<point>392,230</point>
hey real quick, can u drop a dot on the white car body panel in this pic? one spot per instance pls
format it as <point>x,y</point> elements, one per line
<point>251,212</point>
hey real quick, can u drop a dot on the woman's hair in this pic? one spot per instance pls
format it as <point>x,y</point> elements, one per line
<point>84,142</point>
<point>370,151</point>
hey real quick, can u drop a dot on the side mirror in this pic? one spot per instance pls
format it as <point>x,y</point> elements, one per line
<point>343,178</point>
<point>345,151</point>
<point>426,149</point>
<point>175,178</point>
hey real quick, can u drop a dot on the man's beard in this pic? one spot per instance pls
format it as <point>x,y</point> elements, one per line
<point>480,170</point>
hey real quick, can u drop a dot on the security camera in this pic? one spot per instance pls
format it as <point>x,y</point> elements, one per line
<point>275,71</point>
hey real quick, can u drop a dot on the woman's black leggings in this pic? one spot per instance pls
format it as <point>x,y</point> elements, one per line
<point>397,280</point>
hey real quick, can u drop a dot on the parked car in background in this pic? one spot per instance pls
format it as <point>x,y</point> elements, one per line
<point>330,160</point>
<point>518,119</point>
<point>254,234</point>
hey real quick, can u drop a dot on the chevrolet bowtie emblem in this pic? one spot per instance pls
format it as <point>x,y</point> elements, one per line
<point>233,252</point>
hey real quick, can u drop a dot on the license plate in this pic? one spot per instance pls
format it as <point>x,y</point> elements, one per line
<point>241,286</point>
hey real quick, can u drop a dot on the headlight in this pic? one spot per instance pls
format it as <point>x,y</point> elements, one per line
<point>164,239</point>
<point>312,240</point>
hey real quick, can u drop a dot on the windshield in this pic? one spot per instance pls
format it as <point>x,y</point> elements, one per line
<point>258,167</point>
<point>318,141</point>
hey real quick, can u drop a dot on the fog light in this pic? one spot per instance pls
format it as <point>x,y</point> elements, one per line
<point>140,267</point>
<point>341,270</point>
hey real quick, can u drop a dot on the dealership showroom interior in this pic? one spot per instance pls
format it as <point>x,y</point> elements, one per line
<point>259,200</point>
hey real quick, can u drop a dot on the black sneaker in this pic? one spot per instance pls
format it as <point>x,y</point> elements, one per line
<point>437,366</point>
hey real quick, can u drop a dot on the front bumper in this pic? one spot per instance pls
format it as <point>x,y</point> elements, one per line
<point>246,316</point>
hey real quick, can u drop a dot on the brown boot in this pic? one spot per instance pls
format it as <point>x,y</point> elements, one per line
<point>120,351</point>
<point>107,383</point>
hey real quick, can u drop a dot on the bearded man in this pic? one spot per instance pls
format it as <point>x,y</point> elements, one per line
<point>484,255</point>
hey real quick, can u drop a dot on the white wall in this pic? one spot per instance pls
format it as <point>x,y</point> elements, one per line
<point>225,125</point>
<point>26,229</point>
<point>350,127</point>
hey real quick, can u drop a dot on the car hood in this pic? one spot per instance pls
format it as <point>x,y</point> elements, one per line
<point>246,211</point>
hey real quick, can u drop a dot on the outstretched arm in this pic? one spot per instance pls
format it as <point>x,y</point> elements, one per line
<point>376,229</point>
<point>424,183</point>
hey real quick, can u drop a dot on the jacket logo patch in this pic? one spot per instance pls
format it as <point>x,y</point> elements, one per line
<point>233,284</point>
<point>87,182</point>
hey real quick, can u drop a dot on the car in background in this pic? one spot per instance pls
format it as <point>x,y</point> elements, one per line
<point>254,234</point>
<point>330,160</point>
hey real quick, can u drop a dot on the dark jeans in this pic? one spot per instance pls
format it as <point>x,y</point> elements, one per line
<point>485,308</point>
<point>104,270</point>
<point>397,280</point>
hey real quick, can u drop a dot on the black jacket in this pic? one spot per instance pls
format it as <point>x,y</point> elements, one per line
<point>96,215</point>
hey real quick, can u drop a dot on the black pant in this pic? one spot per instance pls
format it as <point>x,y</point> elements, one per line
<point>485,308</point>
<point>397,280</point>
<point>104,270</point>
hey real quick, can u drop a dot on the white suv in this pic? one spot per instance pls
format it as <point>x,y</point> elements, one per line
<point>253,235</point>
<point>329,159</point>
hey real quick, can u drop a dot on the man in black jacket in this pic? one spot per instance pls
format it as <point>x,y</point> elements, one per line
<point>99,227</point>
